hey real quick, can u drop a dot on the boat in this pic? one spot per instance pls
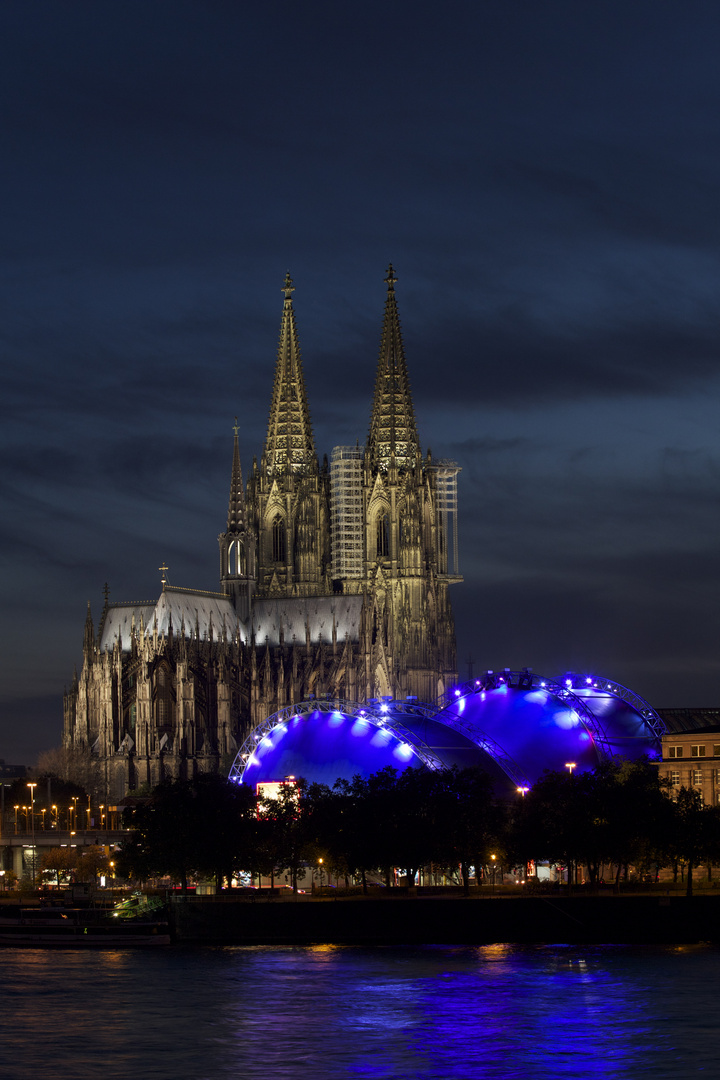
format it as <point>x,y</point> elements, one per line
<point>79,928</point>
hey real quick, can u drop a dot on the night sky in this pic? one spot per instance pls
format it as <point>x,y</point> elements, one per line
<point>545,178</point>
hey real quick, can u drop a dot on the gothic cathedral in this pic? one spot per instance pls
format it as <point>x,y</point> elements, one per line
<point>333,584</point>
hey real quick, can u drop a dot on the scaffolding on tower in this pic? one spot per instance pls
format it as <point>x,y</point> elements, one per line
<point>446,474</point>
<point>346,512</point>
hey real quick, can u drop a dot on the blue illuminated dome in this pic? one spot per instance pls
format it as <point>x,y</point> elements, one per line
<point>323,742</point>
<point>539,723</point>
<point>513,725</point>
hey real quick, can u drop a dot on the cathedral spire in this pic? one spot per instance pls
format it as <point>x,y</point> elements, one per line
<point>289,443</point>
<point>236,506</point>
<point>393,433</point>
<point>237,555</point>
<point>89,634</point>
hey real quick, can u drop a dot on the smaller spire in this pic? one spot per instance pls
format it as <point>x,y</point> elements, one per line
<point>236,506</point>
<point>89,635</point>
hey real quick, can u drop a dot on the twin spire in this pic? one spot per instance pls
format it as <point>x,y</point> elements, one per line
<point>289,445</point>
<point>393,433</point>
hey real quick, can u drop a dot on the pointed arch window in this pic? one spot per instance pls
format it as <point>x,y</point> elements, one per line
<point>237,558</point>
<point>164,698</point>
<point>278,540</point>
<point>383,536</point>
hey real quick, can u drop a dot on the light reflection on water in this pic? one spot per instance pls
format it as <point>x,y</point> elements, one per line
<point>436,1012</point>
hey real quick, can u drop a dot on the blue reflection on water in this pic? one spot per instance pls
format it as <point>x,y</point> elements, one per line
<point>435,1012</point>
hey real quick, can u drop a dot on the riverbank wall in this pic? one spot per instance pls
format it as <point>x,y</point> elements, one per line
<point>448,921</point>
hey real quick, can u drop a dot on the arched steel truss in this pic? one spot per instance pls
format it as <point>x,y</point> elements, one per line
<point>528,680</point>
<point>385,715</point>
<point>650,716</point>
<point>564,688</point>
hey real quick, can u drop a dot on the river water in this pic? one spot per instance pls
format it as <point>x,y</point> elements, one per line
<point>433,1012</point>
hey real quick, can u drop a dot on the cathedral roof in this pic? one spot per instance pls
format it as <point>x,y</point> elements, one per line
<point>317,612</point>
<point>204,611</point>
<point>289,442</point>
<point>119,620</point>
<point>392,424</point>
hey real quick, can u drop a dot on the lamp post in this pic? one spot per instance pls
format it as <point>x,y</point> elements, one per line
<point>570,765</point>
<point>493,858</point>
<point>523,790</point>
<point>320,864</point>
<point>16,814</point>
<point>32,827</point>
<point>74,809</point>
<point>54,811</point>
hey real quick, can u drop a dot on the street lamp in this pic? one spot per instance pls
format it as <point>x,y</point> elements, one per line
<point>493,858</point>
<point>32,825</point>
<point>74,810</point>
<point>320,864</point>
<point>54,810</point>
<point>522,791</point>
<point>570,765</point>
<point>16,814</point>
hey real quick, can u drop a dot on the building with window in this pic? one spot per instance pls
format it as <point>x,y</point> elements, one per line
<point>334,583</point>
<point>692,759</point>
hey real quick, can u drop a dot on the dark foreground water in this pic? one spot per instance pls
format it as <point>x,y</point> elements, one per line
<point>315,1013</point>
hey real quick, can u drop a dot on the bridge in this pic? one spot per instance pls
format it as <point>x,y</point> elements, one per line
<point>20,851</point>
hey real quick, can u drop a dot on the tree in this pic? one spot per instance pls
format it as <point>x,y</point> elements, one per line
<point>91,862</point>
<point>203,826</point>
<point>689,830</point>
<point>370,823</point>
<point>285,829</point>
<point>466,821</point>
<point>58,860</point>
<point>553,821</point>
<point>635,810</point>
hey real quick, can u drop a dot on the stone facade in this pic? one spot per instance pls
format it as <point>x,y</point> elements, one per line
<point>691,759</point>
<point>171,687</point>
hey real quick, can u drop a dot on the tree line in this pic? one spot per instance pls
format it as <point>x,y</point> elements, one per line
<point>617,816</point>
